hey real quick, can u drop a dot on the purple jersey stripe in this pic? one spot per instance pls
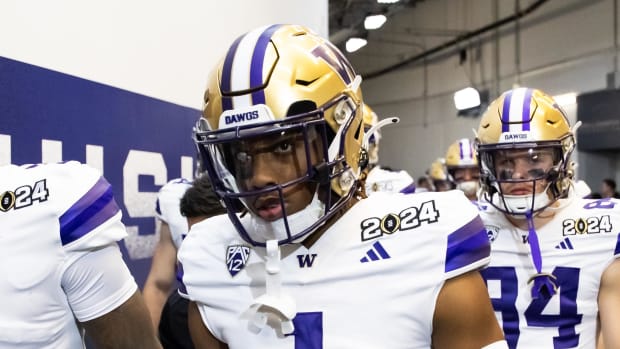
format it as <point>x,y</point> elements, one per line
<point>410,189</point>
<point>157,207</point>
<point>258,58</point>
<point>617,250</point>
<point>467,245</point>
<point>90,211</point>
<point>308,330</point>
<point>525,117</point>
<point>506,112</point>
<point>225,84</point>
<point>182,288</point>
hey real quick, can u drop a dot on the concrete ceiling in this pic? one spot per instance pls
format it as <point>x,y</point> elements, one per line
<point>416,30</point>
<point>346,19</point>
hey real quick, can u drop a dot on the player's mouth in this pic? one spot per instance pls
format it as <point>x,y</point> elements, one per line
<point>269,209</point>
<point>521,190</point>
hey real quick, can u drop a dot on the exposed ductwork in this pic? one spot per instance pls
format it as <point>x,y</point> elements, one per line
<point>464,37</point>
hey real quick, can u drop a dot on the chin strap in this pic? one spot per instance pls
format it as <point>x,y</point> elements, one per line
<point>273,301</point>
<point>544,283</point>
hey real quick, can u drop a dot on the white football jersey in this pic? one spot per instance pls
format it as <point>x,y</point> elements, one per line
<point>168,208</point>
<point>381,180</point>
<point>51,215</point>
<point>370,281</point>
<point>576,246</point>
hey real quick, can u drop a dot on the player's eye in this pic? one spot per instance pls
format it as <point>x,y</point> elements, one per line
<point>536,173</point>
<point>283,147</point>
<point>505,174</point>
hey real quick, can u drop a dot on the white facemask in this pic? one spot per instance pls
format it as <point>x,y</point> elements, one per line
<point>261,230</point>
<point>468,187</point>
<point>521,204</point>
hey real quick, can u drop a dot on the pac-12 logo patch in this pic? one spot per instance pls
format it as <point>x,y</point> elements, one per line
<point>236,258</point>
<point>492,232</point>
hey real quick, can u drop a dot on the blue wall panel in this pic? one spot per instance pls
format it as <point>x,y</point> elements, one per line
<point>38,104</point>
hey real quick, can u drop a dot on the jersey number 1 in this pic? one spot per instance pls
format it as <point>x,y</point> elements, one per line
<point>308,330</point>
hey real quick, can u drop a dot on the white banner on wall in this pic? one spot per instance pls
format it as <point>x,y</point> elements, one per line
<point>118,85</point>
<point>161,49</point>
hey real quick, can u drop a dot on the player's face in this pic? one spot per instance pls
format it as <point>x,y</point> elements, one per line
<point>466,174</point>
<point>443,185</point>
<point>522,165</point>
<point>275,160</point>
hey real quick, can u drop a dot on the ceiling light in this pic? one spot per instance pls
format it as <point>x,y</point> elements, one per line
<point>354,44</point>
<point>374,22</point>
<point>466,98</point>
<point>387,1</point>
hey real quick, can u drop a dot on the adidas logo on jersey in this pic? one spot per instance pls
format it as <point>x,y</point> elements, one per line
<point>565,245</point>
<point>377,252</point>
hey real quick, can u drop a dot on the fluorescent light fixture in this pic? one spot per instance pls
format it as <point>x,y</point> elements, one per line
<point>466,98</point>
<point>387,1</point>
<point>374,22</point>
<point>566,99</point>
<point>354,44</point>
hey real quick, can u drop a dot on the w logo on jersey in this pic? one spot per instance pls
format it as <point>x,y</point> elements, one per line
<point>236,258</point>
<point>306,260</point>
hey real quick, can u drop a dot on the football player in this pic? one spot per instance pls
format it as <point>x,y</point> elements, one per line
<point>437,173</point>
<point>172,228</point>
<point>385,179</point>
<point>179,204</point>
<point>553,272</point>
<point>62,270</point>
<point>309,264</point>
<point>462,167</point>
<point>381,179</point>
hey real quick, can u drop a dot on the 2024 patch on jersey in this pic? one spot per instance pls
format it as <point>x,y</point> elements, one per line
<point>576,247</point>
<point>49,214</point>
<point>370,281</point>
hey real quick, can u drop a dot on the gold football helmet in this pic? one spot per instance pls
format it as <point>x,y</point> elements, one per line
<point>462,167</point>
<point>530,123</point>
<point>276,82</point>
<point>371,119</point>
<point>437,173</point>
<point>437,170</point>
